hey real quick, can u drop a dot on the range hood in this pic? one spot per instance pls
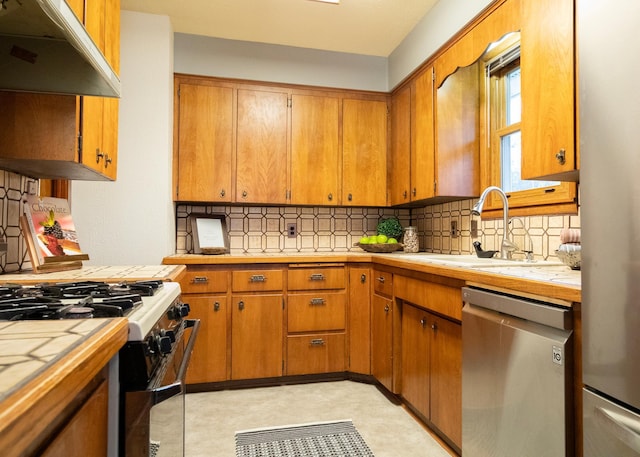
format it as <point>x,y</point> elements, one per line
<point>45,48</point>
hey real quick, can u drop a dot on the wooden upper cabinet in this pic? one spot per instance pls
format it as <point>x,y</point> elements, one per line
<point>364,152</point>
<point>204,143</point>
<point>261,157</point>
<point>399,164</point>
<point>315,150</point>
<point>422,137</point>
<point>98,123</point>
<point>458,134</point>
<point>548,95</point>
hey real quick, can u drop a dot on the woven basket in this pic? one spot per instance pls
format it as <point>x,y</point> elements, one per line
<point>380,247</point>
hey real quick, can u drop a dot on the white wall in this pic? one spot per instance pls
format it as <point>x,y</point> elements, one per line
<point>200,55</point>
<point>131,221</point>
<point>441,23</point>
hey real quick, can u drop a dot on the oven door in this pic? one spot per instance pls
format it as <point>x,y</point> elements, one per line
<point>154,418</point>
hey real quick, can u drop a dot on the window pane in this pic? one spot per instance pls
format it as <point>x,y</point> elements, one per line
<point>513,96</point>
<point>510,150</point>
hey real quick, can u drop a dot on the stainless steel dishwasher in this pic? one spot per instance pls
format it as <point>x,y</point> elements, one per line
<point>517,396</point>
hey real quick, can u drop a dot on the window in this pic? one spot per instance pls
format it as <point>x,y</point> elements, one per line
<point>501,152</point>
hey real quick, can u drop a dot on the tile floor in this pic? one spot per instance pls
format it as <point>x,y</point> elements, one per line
<point>389,430</point>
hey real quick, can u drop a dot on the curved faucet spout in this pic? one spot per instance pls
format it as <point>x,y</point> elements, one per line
<point>508,246</point>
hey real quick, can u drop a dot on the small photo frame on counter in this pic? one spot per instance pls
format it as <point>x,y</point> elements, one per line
<point>210,235</point>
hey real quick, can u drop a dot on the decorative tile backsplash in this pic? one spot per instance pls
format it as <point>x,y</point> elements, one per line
<point>13,191</point>
<point>329,229</point>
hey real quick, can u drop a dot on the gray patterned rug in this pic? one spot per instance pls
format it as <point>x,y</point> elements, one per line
<point>320,439</point>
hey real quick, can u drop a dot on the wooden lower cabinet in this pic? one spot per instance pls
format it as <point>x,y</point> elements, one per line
<point>316,353</point>
<point>86,433</point>
<point>382,340</point>
<point>256,336</point>
<point>359,320</point>
<point>209,357</point>
<point>432,369</point>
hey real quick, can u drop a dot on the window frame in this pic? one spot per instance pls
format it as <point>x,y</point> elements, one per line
<point>557,199</point>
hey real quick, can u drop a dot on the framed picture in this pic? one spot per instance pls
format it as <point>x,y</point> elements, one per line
<point>210,234</point>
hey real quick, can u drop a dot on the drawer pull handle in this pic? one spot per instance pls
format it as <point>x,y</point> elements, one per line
<point>216,306</point>
<point>317,301</point>
<point>317,342</point>
<point>200,280</point>
<point>258,278</point>
<point>317,277</point>
<point>381,279</point>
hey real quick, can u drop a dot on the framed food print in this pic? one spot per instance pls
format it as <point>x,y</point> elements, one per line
<point>210,234</point>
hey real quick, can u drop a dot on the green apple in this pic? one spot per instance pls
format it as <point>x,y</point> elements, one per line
<point>364,240</point>
<point>392,241</point>
<point>382,238</point>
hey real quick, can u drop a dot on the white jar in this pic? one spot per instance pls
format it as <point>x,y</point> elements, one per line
<point>410,239</point>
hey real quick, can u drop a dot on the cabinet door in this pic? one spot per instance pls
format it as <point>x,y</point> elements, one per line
<point>359,320</point>
<point>382,340</point>
<point>256,336</point>
<point>416,336</point>
<point>315,151</point>
<point>364,153</point>
<point>548,102</point>
<point>205,143</point>
<point>209,358</point>
<point>446,378</point>
<point>458,134</point>
<point>261,158</point>
<point>422,138</point>
<point>91,420</point>
<point>400,152</point>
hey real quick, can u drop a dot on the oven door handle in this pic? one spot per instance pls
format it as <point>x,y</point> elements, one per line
<point>166,392</point>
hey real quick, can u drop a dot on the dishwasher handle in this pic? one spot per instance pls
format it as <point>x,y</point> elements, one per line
<point>527,309</point>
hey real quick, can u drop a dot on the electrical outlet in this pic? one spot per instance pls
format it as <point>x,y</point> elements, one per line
<point>454,229</point>
<point>292,230</point>
<point>474,228</point>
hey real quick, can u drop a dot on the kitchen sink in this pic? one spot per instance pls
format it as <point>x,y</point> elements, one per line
<point>472,261</point>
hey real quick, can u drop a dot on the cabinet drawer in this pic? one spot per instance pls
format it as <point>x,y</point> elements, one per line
<point>316,278</point>
<point>204,281</point>
<point>318,353</point>
<point>316,312</point>
<point>257,280</point>
<point>441,299</point>
<point>383,283</point>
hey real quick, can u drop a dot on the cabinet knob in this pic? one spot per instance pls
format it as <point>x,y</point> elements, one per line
<point>405,194</point>
<point>222,193</point>
<point>381,279</point>
<point>244,194</point>
<point>240,305</point>
<point>99,155</point>
<point>434,326</point>
<point>423,322</point>
<point>363,278</point>
<point>561,156</point>
<point>107,160</point>
<point>350,197</point>
<point>414,192</point>
<point>386,308</point>
<point>330,197</point>
<point>216,306</point>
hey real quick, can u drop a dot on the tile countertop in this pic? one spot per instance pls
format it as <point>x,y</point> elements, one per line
<point>44,365</point>
<point>107,273</point>
<point>543,278</point>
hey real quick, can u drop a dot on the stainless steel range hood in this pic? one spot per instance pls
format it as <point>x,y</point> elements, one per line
<point>45,48</point>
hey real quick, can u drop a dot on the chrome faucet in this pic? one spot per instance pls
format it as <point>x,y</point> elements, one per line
<point>508,246</point>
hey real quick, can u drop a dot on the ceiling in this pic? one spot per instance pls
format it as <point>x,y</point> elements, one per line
<point>368,27</point>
